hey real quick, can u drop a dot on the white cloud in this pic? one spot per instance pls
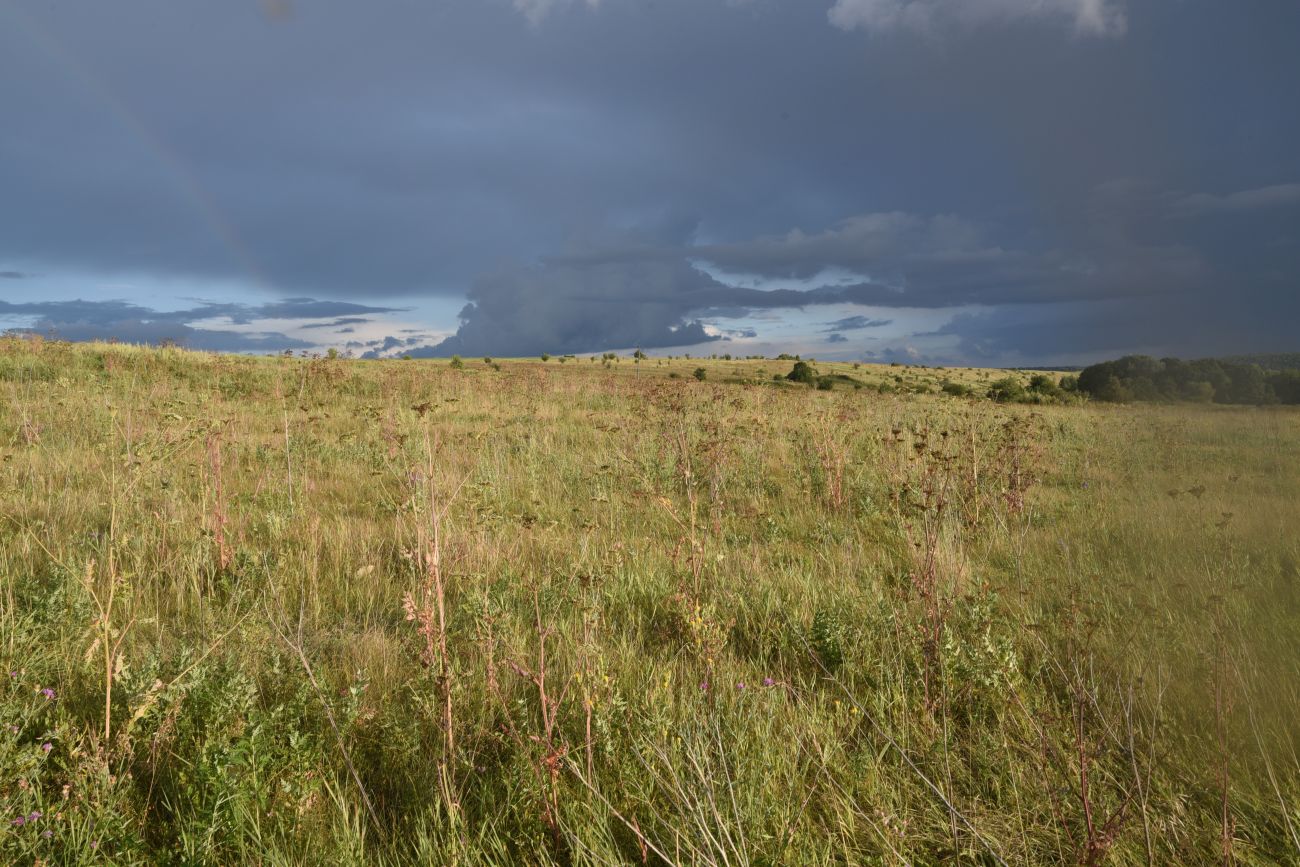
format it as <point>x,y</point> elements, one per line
<point>1088,17</point>
<point>536,10</point>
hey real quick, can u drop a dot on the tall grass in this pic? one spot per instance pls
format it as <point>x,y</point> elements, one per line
<point>313,611</point>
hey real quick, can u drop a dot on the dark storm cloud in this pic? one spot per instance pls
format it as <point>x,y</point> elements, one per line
<point>133,323</point>
<point>116,311</point>
<point>647,297</point>
<point>1045,155</point>
<point>346,320</point>
<point>1276,196</point>
<point>650,292</point>
<point>853,323</point>
<point>12,275</point>
<point>948,261</point>
<point>836,337</point>
<point>137,331</point>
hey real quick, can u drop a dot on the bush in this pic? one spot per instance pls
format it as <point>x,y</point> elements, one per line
<point>1044,386</point>
<point>956,389</point>
<point>802,372</point>
<point>456,363</point>
<point>1009,389</point>
<point>700,373</point>
<point>825,383</point>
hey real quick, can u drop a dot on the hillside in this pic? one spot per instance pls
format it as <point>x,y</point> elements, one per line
<point>292,610</point>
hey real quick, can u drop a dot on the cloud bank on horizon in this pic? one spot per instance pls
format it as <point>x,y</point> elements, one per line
<point>958,181</point>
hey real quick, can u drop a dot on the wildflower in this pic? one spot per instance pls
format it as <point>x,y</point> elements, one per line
<point>740,685</point>
<point>767,681</point>
<point>34,815</point>
<point>20,821</point>
<point>13,675</point>
<point>48,693</point>
<point>704,685</point>
<point>46,747</point>
<point>47,834</point>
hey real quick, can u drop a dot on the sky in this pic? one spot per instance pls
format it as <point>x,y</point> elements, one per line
<point>981,182</point>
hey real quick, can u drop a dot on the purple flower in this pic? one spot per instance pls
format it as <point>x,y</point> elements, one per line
<point>47,834</point>
<point>13,675</point>
<point>46,747</point>
<point>767,681</point>
<point>48,693</point>
<point>704,685</point>
<point>34,815</point>
<point>20,821</point>
<point>740,685</point>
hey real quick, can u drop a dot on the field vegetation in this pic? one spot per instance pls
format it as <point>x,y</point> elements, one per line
<point>637,611</point>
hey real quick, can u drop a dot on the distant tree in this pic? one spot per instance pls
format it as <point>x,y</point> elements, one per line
<point>546,357</point>
<point>456,363</point>
<point>638,355</point>
<point>700,373</point>
<point>1286,386</point>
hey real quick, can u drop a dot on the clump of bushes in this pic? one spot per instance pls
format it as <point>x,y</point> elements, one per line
<point>956,389</point>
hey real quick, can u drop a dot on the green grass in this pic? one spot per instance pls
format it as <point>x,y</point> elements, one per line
<point>946,614</point>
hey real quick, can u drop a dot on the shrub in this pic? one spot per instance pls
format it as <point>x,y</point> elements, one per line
<point>456,363</point>
<point>802,372</point>
<point>1008,389</point>
<point>1043,385</point>
<point>700,374</point>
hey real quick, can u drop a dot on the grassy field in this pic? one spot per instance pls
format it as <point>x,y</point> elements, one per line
<point>316,611</point>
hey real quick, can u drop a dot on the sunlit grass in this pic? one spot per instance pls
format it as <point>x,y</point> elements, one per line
<point>722,622</point>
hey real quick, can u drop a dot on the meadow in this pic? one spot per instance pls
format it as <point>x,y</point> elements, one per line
<point>291,610</point>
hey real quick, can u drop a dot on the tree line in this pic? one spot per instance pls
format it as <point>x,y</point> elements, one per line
<point>1206,380</point>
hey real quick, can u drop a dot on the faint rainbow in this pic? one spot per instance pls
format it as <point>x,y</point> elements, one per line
<point>187,185</point>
